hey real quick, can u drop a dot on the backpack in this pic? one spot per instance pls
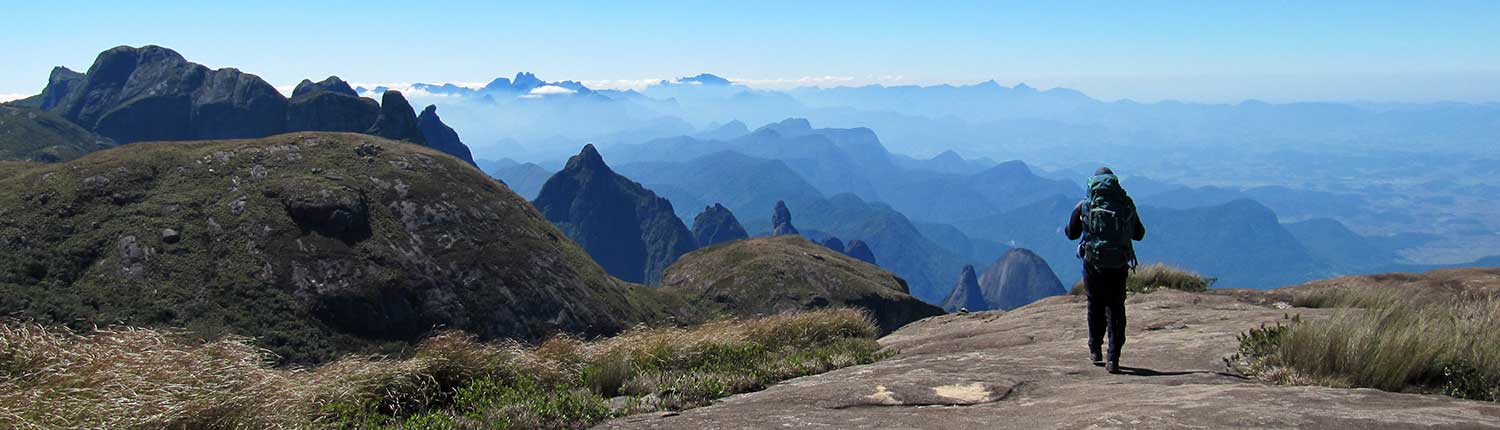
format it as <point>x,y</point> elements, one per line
<point>1108,217</point>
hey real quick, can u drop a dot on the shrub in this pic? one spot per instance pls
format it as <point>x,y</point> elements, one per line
<point>1396,339</point>
<point>1158,276</point>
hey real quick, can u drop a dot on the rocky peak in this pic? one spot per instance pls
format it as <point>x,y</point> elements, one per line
<point>716,224</point>
<point>59,83</point>
<point>834,243</point>
<point>441,137</point>
<point>331,84</point>
<point>860,250</point>
<point>626,228</point>
<point>1016,279</point>
<point>525,81</point>
<point>397,120</point>
<point>967,293</point>
<point>781,220</point>
<point>705,79</point>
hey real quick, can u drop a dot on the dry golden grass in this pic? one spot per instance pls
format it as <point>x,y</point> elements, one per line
<point>1390,338</point>
<point>1159,276</point>
<point>145,379</point>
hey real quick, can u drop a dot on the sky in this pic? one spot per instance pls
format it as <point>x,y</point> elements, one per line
<point>1373,51</point>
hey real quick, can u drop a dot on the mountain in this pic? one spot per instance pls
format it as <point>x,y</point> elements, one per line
<point>315,244</point>
<point>329,105</point>
<point>630,231</point>
<point>1015,279</point>
<point>781,220</point>
<point>441,137</point>
<point>152,93</point>
<point>397,120</point>
<point>742,183</point>
<point>525,179</point>
<point>727,131</point>
<point>29,134</point>
<point>860,251</point>
<point>966,295</point>
<point>769,275</point>
<point>833,243</point>
<point>1240,242</point>
<point>1347,251</point>
<point>715,225</point>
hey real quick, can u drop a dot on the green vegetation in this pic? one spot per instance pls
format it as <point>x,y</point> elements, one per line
<point>1159,276</point>
<point>1394,338</point>
<point>315,244</point>
<point>769,275</point>
<point>28,134</point>
<point>140,378</point>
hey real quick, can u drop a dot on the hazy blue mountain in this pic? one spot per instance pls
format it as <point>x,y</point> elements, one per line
<point>1347,251</point>
<point>949,162</point>
<point>727,131</point>
<point>525,179</point>
<point>625,227</point>
<point>1016,279</point>
<point>744,184</point>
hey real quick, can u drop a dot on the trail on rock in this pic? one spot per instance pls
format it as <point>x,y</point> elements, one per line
<point>1029,368</point>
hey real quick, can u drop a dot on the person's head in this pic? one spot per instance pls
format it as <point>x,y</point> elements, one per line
<point>1103,171</point>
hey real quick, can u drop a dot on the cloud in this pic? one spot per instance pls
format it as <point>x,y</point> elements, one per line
<point>547,90</point>
<point>8,97</point>
<point>621,84</point>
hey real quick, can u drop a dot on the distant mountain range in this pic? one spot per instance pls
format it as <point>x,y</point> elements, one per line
<point>154,94</point>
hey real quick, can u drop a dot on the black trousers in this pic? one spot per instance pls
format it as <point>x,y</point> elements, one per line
<point>1106,293</point>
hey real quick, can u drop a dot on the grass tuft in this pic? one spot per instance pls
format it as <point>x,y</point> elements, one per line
<point>1159,276</point>
<point>138,378</point>
<point>1389,338</point>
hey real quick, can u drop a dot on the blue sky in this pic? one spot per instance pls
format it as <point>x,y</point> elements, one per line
<point>1195,51</point>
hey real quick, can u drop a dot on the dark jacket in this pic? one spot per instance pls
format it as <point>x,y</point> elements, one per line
<point>1075,224</point>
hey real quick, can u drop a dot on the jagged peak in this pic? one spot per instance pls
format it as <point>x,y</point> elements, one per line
<point>588,159</point>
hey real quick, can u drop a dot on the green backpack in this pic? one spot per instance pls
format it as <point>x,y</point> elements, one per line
<point>1108,224</point>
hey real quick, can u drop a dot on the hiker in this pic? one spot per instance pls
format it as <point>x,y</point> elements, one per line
<point>1107,223</point>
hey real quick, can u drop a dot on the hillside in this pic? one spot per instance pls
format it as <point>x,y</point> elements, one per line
<point>1027,369</point>
<point>314,243</point>
<point>770,275</point>
<point>28,134</point>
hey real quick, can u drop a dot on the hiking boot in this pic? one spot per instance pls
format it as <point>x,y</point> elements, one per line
<point>1097,357</point>
<point>1112,367</point>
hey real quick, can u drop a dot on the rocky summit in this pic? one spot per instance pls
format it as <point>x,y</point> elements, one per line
<point>781,220</point>
<point>715,225</point>
<point>153,93</point>
<point>1016,279</point>
<point>441,137</point>
<point>316,244</point>
<point>329,105</point>
<point>626,228</point>
<point>770,275</point>
<point>397,120</point>
<point>1028,369</point>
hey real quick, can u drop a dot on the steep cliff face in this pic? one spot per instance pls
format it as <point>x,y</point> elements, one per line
<point>441,137</point>
<point>781,220</point>
<point>314,243</point>
<point>860,250</point>
<point>152,93</point>
<point>626,228</point>
<point>329,105</point>
<point>397,120</point>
